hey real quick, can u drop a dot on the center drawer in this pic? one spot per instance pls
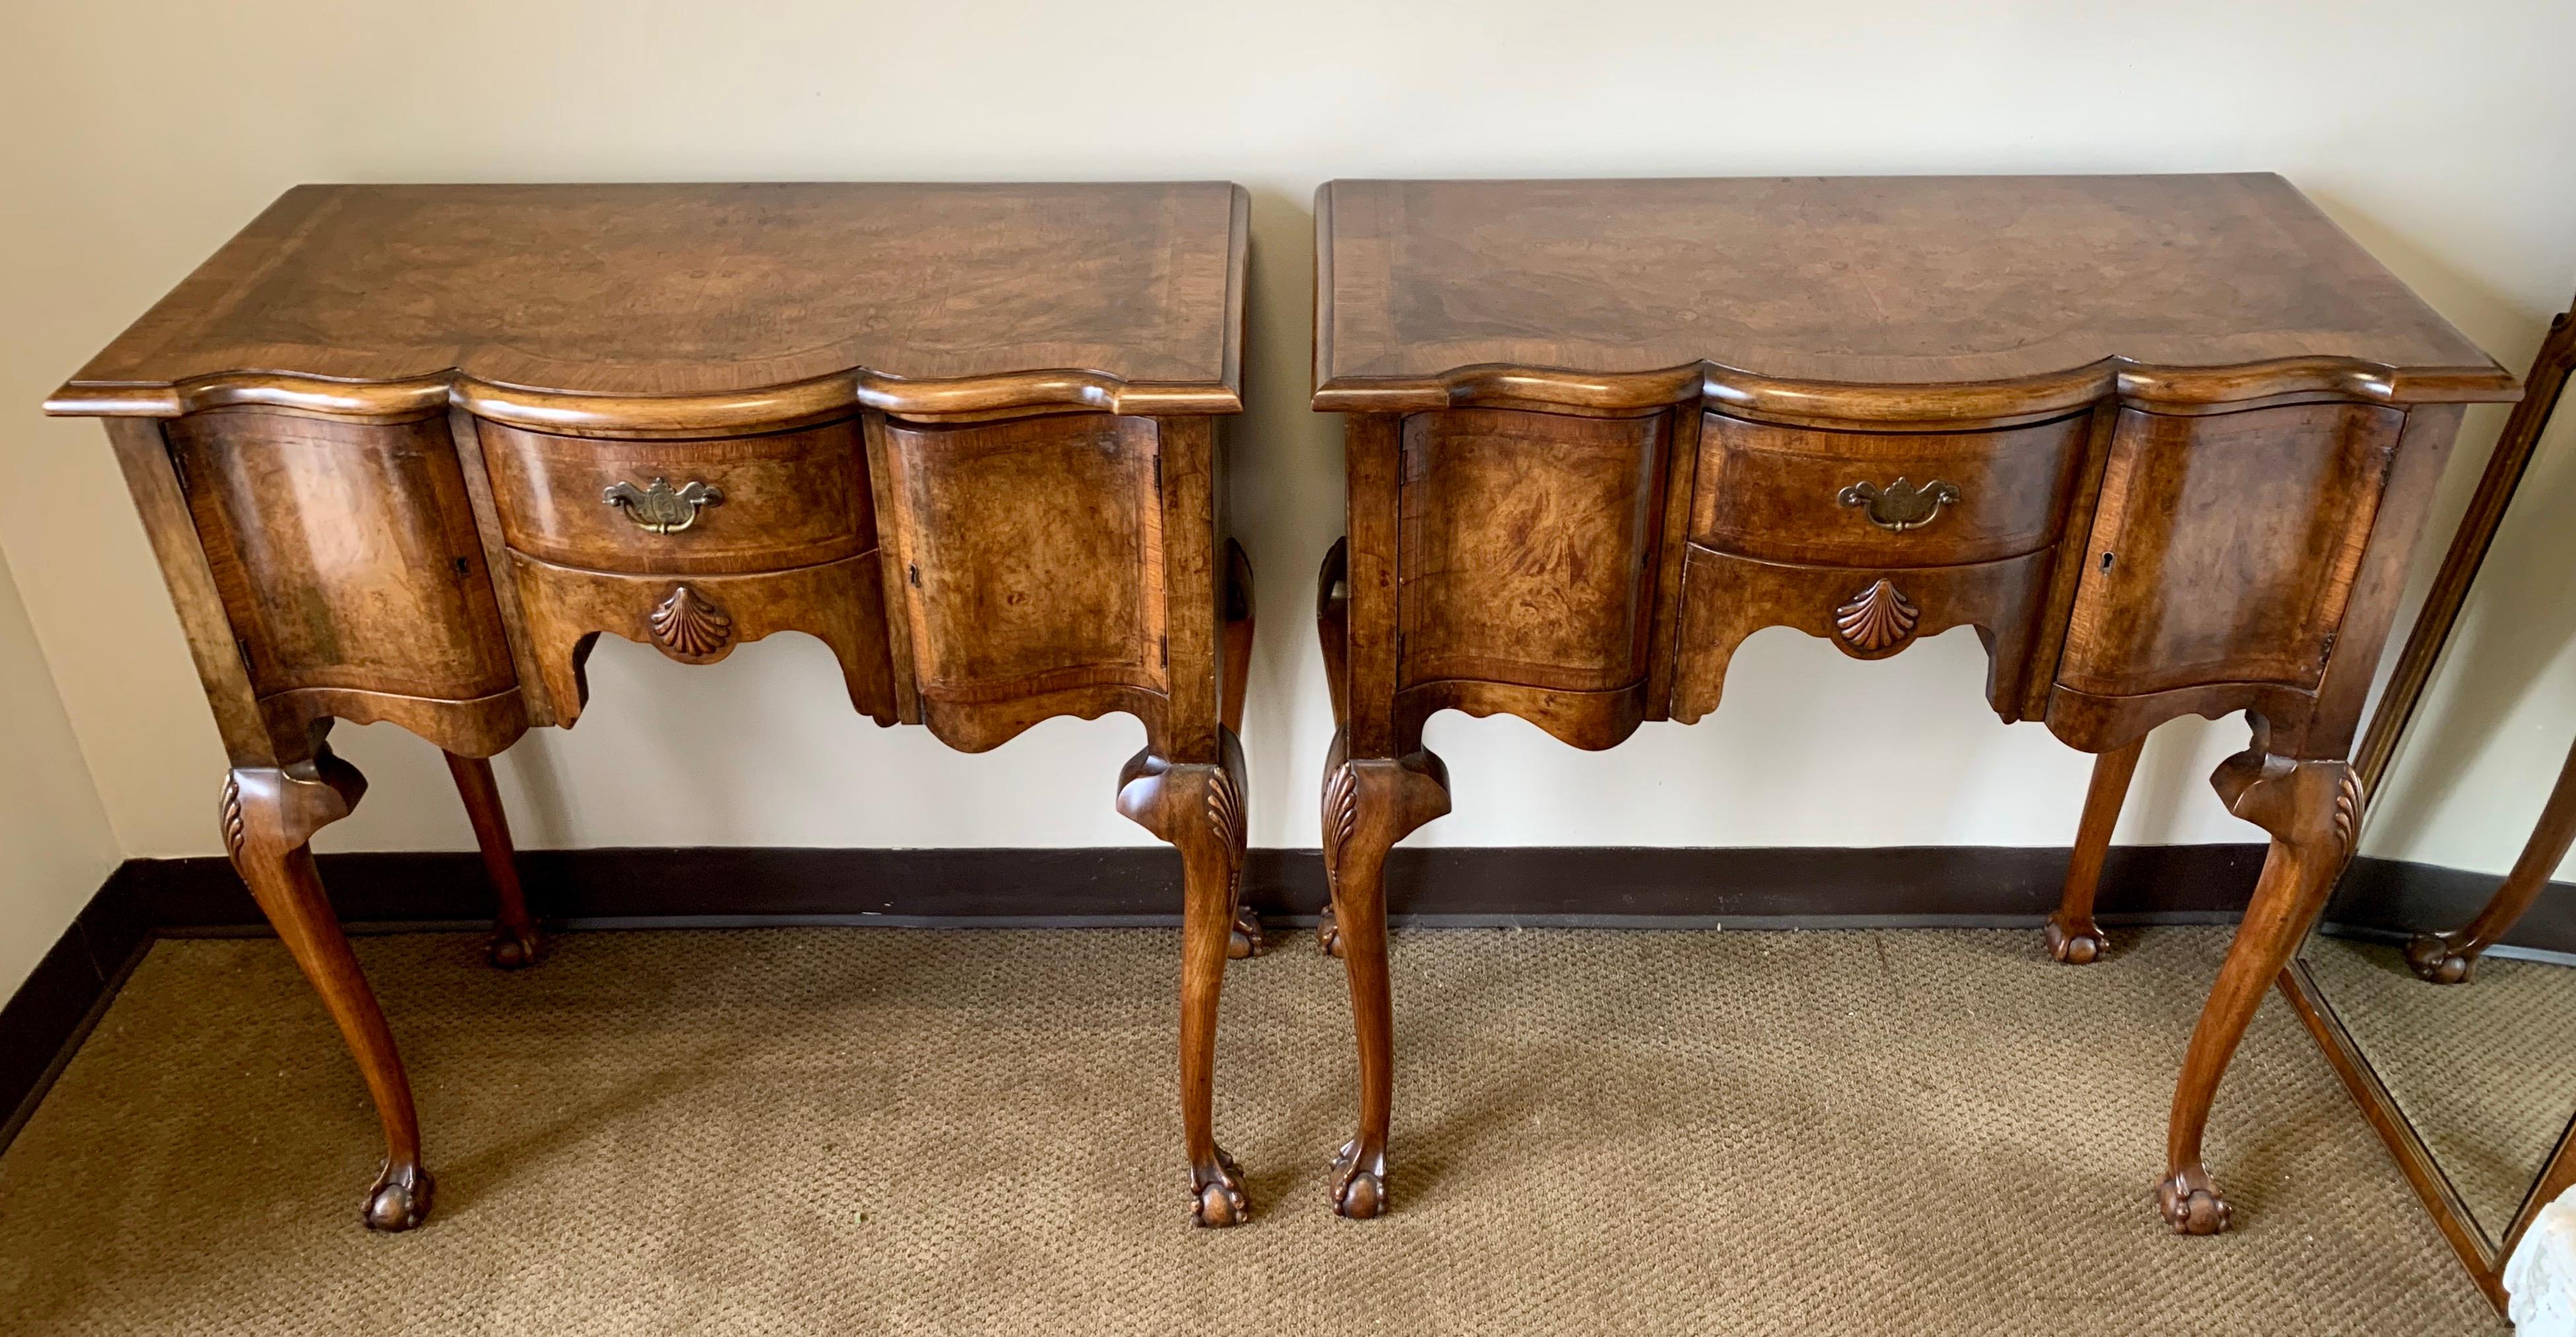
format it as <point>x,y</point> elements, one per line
<point>1882,499</point>
<point>692,507</point>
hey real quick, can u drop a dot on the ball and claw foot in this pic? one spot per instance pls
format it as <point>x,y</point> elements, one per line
<point>1359,1192</point>
<point>2436,959</point>
<point>2081,945</point>
<point>400,1199</point>
<point>1247,939</point>
<point>1216,1199</point>
<point>513,949</point>
<point>1328,933</point>
<point>2191,1203</point>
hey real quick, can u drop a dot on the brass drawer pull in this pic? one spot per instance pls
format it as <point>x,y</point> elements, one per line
<point>660,508</point>
<point>1901,505</point>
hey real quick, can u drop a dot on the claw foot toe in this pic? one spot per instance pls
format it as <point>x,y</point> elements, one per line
<point>512,949</point>
<point>1359,1190</point>
<point>1328,933</point>
<point>2191,1203</point>
<point>1247,939</point>
<point>2079,945</point>
<point>400,1199</point>
<point>1216,1195</point>
<point>2437,960</point>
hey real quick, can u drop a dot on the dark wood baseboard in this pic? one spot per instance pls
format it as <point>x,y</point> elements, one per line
<point>1742,888</point>
<point>2385,898</point>
<point>1775,887</point>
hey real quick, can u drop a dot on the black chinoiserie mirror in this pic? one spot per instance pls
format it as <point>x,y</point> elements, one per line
<point>2441,979</point>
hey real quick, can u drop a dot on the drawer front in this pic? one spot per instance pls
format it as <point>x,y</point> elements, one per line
<point>1893,499</point>
<point>754,503</point>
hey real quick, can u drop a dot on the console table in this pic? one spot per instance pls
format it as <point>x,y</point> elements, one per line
<point>2165,442</point>
<point>404,452</point>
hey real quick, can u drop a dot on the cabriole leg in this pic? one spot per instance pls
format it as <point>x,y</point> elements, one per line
<point>514,941</point>
<point>2071,934</point>
<point>2446,958</point>
<point>2311,809</point>
<point>1369,805</point>
<point>1246,940</point>
<point>1199,809</point>
<point>269,817</point>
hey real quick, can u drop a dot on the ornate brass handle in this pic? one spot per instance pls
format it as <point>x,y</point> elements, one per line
<point>1900,505</point>
<point>659,507</point>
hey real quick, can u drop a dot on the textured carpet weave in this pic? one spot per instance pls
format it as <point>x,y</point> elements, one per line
<point>2481,1069</point>
<point>887,1131</point>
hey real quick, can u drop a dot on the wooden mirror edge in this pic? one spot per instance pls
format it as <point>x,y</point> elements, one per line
<point>2408,681</point>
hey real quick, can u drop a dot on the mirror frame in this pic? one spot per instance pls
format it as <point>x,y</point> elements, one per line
<point>2416,662</point>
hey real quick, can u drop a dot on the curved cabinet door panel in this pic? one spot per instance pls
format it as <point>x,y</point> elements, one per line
<point>1030,553</point>
<point>2225,546</point>
<point>721,505</point>
<point>1527,544</point>
<point>346,553</point>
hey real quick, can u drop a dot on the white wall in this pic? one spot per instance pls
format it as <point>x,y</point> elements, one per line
<point>55,846</point>
<point>143,132</point>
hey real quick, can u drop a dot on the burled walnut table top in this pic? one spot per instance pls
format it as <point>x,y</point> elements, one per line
<point>1428,289</point>
<point>535,301</point>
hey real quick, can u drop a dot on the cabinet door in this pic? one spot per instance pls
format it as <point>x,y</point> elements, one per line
<point>346,553</point>
<point>1528,543</point>
<point>1032,555</point>
<point>2225,547</point>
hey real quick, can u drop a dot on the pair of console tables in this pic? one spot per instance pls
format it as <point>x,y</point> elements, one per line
<point>2166,442</point>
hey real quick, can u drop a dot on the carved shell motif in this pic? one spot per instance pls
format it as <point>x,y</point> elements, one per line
<point>1877,618</point>
<point>686,624</point>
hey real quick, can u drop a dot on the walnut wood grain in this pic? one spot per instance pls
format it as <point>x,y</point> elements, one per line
<point>1791,494</point>
<point>2166,442</point>
<point>837,603</point>
<point>2273,506</point>
<point>559,307</point>
<point>786,499</point>
<point>1527,544</point>
<point>346,553</point>
<point>1033,563</point>
<point>1863,299</point>
<point>1726,598</point>
<point>515,942</point>
<point>427,443</point>
<point>2071,935</point>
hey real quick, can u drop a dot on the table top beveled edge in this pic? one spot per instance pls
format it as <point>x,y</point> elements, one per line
<point>791,404</point>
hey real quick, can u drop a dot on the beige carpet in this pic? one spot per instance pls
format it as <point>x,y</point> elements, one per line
<point>883,1131</point>
<point>2481,1068</point>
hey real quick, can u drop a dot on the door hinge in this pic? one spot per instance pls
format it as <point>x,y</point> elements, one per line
<point>1158,471</point>
<point>178,464</point>
<point>1164,648</point>
<point>241,646</point>
<point>913,569</point>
